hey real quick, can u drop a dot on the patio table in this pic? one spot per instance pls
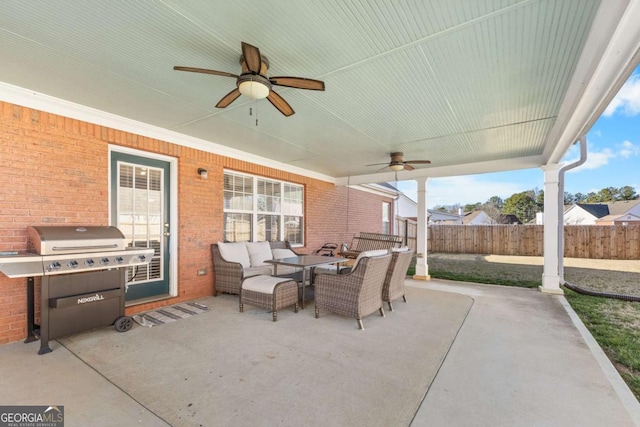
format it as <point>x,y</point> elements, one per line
<point>305,262</point>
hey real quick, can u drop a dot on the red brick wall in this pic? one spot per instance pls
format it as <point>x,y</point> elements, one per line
<point>53,170</point>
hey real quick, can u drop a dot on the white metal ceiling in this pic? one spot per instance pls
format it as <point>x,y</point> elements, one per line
<point>458,82</point>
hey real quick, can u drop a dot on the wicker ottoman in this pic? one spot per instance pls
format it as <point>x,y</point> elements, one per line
<point>272,293</point>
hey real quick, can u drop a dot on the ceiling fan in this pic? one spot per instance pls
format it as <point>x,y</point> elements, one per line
<point>254,83</point>
<point>398,163</point>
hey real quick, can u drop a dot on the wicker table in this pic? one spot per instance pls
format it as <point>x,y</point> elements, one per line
<point>305,262</point>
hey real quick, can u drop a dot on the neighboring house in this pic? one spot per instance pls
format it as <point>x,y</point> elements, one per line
<point>408,208</point>
<point>602,213</point>
<point>623,219</point>
<point>477,217</point>
<point>439,217</point>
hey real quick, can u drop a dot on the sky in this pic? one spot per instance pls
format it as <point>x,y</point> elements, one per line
<point>613,160</point>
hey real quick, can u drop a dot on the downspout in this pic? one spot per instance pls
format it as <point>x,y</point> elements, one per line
<point>580,161</point>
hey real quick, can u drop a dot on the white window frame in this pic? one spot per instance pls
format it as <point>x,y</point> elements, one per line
<point>386,218</point>
<point>255,212</point>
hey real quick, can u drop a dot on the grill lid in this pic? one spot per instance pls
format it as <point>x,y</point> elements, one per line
<point>49,240</point>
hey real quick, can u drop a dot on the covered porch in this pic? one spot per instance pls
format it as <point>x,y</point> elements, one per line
<point>455,354</point>
<point>477,88</point>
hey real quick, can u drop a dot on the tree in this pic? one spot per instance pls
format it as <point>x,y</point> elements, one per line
<point>579,198</point>
<point>540,200</point>
<point>470,207</point>
<point>569,198</point>
<point>493,208</point>
<point>522,205</point>
<point>607,194</point>
<point>627,193</point>
<point>591,197</point>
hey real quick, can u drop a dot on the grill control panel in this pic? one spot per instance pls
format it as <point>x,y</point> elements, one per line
<point>71,263</point>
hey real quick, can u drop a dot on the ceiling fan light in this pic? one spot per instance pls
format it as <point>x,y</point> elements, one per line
<point>253,89</point>
<point>397,167</point>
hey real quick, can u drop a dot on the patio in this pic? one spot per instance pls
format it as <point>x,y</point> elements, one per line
<point>484,355</point>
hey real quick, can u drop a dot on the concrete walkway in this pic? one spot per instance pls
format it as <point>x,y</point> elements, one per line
<point>524,358</point>
<point>520,358</point>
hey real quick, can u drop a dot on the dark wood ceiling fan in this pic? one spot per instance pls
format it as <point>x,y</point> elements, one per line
<point>254,83</point>
<point>398,163</point>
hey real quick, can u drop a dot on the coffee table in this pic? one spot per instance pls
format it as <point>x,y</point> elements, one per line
<point>305,262</point>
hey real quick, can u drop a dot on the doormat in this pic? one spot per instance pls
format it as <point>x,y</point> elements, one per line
<point>169,314</point>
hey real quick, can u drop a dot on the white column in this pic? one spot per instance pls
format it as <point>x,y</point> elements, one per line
<point>552,230</point>
<point>422,268</point>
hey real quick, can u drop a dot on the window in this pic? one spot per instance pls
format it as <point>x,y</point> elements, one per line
<point>261,209</point>
<point>386,223</point>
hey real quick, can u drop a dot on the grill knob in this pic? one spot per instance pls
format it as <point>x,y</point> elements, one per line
<point>104,261</point>
<point>73,263</point>
<point>142,258</point>
<point>89,262</point>
<point>55,265</point>
<point>119,260</point>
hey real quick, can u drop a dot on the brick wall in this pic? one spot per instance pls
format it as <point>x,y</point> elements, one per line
<point>53,170</point>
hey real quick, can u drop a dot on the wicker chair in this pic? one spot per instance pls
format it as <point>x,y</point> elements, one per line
<point>393,287</point>
<point>356,294</point>
<point>229,275</point>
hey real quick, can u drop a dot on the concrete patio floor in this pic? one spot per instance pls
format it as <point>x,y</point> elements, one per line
<point>520,358</point>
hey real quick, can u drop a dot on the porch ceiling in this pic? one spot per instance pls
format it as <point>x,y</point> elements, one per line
<point>474,86</point>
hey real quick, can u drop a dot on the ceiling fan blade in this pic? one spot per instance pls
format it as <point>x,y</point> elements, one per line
<point>408,167</point>
<point>252,58</point>
<point>280,104</point>
<point>205,71</point>
<point>228,98</point>
<point>419,162</point>
<point>297,82</point>
<point>379,164</point>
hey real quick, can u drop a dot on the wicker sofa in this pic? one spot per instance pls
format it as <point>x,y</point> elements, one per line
<point>232,262</point>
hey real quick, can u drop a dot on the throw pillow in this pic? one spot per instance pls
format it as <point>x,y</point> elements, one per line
<point>282,253</point>
<point>259,252</point>
<point>235,252</point>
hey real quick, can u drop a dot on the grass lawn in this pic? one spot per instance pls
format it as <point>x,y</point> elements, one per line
<point>613,323</point>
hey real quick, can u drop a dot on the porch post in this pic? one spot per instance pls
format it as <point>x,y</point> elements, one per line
<point>422,268</point>
<point>552,230</point>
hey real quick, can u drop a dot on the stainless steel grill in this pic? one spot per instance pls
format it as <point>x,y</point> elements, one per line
<point>83,278</point>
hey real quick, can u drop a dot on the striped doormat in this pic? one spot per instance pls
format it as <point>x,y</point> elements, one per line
<point>169,314</point>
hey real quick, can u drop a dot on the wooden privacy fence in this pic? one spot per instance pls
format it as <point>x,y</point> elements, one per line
<point>580,241</point>
<point>408,229</point>
<point>523,240</point>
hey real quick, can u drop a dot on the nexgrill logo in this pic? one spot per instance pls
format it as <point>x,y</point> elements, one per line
<point>32,416</point>
<point>92,298</point>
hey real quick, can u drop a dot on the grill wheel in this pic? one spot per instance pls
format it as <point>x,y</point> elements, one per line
<point>123,324</point>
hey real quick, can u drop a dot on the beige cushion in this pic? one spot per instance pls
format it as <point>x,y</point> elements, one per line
<point>254,271</point>
<point>282,253</point>
<point>375,252</point>
<point>258,253</point>
<point>235,252</point>
<point>262,284</point>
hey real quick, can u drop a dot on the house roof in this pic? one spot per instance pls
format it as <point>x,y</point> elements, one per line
<point>596,209</point>
<point>599,210</point>
<point>620,217</point>
<point>473,87</point>
<point>470,216</point>
<point>621,206</point>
